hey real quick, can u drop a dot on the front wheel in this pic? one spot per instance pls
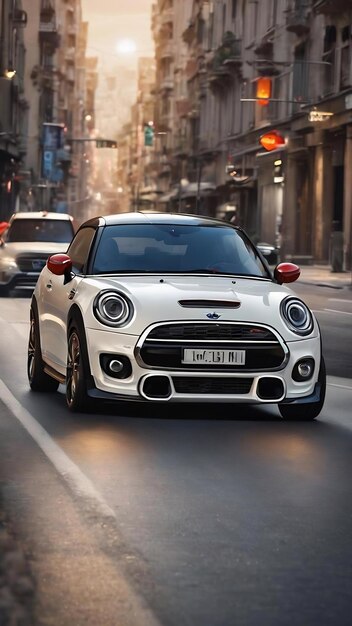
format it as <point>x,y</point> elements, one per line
<point>76,391</point>
<point>311,410</point>
<point>39,380</point>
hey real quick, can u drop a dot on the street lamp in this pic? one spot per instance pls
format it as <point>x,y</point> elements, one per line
<point>9,73</point>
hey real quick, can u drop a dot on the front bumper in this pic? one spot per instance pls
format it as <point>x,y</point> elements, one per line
<point>18,280</point>
<point>191,385</point>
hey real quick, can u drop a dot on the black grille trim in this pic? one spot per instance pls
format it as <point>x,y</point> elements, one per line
<point>212,330</point>
<point>204,385</point>
<point>209,304</point>
<point>162,347</point>
<point>31,262</point>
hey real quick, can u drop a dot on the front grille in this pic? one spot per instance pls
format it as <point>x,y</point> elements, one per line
<point>31,262</point>
<point>164,346</point>
<point>212,331</point>
<point>24,281</point>
<point>221,386</point>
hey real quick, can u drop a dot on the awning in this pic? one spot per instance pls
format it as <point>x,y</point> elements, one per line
<point>191,190</point>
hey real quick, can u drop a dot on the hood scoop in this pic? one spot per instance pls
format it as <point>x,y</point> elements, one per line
<point>209,304</point>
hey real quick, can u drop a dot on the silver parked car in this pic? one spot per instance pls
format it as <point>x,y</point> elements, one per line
<point>26,244</point>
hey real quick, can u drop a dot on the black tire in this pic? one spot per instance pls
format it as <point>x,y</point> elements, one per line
<point>39,380</point>
<point>306,412</point>
<point>76,373</point>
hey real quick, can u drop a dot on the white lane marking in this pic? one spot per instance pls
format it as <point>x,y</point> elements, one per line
<point>341,312</point>
<point>80,485</point>
<point>330,311</point>
<point>340,386</point>
<point>78,482</point>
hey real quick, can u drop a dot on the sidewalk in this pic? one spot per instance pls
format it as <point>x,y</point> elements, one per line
<point>322,276</point>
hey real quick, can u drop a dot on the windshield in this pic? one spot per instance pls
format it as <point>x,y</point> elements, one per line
<point>176,248</point>
<point>60,231</point>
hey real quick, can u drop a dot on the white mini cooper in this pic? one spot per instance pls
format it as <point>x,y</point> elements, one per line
<point>165,307</point>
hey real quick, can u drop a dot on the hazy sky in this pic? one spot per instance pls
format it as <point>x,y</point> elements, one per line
<point>110,21</point>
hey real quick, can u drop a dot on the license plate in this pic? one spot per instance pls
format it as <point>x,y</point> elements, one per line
<point>214,357</point>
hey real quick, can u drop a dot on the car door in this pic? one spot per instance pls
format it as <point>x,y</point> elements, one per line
<point>56,300</point>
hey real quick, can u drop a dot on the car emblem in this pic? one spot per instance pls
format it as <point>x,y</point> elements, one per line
<point>38,265</point>
<point>213,316</point>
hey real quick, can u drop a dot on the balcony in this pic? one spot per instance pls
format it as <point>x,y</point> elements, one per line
<point>48,30</point>
<point>264,47</point>
<point>331,7</point>
<point>166,84</point>
<point>167,16</point>
<point>224,60</point>
<point>72,30</point>
<point>189,33</point>
<point>296,18</point>
<point>70,54</point>
<point>166,50</point>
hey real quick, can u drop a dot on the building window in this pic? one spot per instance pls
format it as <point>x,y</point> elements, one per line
<point>346,57</point>
<point>300,75</point>
<point>329,57</point>
<point>234,9</point>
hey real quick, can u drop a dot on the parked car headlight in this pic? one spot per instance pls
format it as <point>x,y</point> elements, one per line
<point>112,308</point>
<point>297,316</point>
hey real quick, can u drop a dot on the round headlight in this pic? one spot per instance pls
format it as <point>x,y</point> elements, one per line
<point>112,308</point>
<point>297,316</point>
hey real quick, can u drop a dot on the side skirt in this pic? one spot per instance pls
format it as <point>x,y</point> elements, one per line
<point>54,374</point>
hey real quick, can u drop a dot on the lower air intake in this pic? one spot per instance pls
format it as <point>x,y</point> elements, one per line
<point>203,385</point>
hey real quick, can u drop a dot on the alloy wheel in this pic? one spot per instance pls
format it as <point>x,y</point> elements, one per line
<point>73,367</point>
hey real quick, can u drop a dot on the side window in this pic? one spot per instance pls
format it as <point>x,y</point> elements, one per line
<point>80,246</point>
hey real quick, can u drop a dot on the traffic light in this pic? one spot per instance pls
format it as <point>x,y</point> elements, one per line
<point>148,134</point>
<point>105,143</point>
<point>263,91</point>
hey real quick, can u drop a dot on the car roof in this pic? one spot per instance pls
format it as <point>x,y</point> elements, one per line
<point>27,215</point>
<point>154,217</point>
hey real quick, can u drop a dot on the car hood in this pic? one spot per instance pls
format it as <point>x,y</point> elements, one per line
<point>13,249</point>
<point>157,299</point>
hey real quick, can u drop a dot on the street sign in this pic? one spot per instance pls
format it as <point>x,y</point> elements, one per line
<point>272,140</point>
<point>319,116</point>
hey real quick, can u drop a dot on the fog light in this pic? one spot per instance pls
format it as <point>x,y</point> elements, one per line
<point>303,370</point>
<point>116,365</point>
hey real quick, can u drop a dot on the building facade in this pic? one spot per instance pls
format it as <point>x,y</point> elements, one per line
<point>54,167</point>
<point>209,108</point>
<point>14,105</point>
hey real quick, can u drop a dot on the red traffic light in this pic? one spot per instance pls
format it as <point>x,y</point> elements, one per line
<point>263,91</point>
<point>272,141</point>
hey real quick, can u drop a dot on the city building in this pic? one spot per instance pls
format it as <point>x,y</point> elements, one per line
<point>55,167</point>
<point>233,73</point>
<point>14,105</point>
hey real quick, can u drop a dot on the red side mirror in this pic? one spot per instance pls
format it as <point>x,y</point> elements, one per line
<point>286,273</point>
<point>59,264</point>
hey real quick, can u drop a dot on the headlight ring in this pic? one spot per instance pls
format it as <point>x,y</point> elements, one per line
<point>112,308</point>
<point>297,316</point>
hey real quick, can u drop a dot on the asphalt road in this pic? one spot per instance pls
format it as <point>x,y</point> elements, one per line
<point>187,516</point>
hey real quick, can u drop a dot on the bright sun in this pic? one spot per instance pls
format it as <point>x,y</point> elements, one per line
<point>126,46</point>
